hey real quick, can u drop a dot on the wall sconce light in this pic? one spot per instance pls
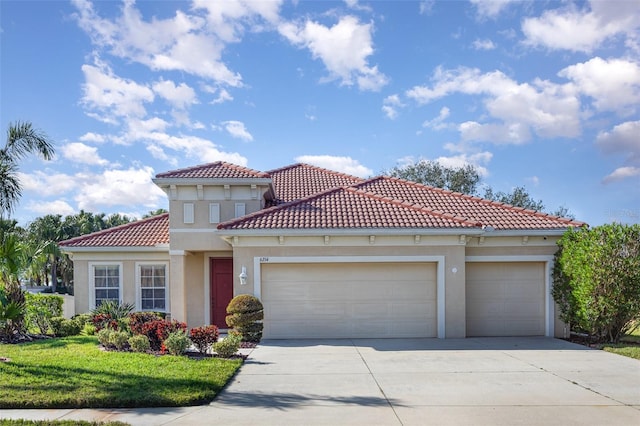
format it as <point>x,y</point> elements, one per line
<point>243,276</point>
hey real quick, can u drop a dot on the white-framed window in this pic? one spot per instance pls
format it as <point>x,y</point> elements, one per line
<point>105,282</point>
<point>240,209</point>
<point>188,213</point>
<point>214,213</point>
<point>152,281</point>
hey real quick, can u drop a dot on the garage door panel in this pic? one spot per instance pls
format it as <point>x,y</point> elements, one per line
<point>505,299</point>
<point>349,300</point>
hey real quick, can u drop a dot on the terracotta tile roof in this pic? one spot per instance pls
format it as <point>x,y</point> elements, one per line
<point>498,215</point>
<point>217,170</point>
<point>347,208</point>
<point>303,180</point>
<point>148,232</point>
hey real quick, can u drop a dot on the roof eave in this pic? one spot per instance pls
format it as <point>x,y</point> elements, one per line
<point>211,181</point>
<point>114,249</point>
<point>348,231</point>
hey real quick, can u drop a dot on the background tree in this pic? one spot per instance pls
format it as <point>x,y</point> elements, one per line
<point>519,197</point>
<point>463,179</point>
<point>155,213</point>
<point>596,280</point>
<point>22,139</point>
<point>466,179</point>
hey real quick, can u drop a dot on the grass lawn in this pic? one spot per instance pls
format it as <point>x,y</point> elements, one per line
<point>629,345</point>
<point>74,373</point>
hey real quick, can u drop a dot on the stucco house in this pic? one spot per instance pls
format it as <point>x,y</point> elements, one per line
<point>329,255</point>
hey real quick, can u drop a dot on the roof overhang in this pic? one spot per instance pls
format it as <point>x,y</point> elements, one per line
<point>348,232</point>
<point>211,181</point>
<point>116,249</point>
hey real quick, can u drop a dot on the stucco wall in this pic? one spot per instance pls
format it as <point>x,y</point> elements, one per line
<point>81,284</point>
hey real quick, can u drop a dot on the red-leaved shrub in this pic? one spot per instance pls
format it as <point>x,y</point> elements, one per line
<point>101,321</point>
<point>138,319</point>
<point>203,337</point>
<point>158,330</point>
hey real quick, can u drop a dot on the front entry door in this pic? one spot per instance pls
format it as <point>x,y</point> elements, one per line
<point>221,286</point>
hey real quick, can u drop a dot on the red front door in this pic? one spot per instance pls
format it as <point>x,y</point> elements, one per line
<point>221,285</point>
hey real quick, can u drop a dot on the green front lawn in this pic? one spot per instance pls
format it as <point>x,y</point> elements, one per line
<point>74,373</point>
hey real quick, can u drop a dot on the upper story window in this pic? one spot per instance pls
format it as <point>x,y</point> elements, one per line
<point>240,209</point>
<point>214,213</point>
<point>188,213</point>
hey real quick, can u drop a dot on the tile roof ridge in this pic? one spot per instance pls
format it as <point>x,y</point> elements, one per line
<point>258,173</point>
<point>113,229</point>
<point>490,202</point>
<point>416,207</point>
<point>322,169</point>
<point>282,206</point>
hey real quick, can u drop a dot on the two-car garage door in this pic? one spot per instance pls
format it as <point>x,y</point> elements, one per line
<point>349,300</point>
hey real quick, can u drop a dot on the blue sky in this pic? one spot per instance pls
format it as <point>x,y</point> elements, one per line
<point>541,94</point>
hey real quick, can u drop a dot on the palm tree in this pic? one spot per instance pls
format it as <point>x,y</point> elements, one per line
<point>22,139</point>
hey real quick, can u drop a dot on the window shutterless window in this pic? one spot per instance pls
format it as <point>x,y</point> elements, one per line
<point>106,280</point>
<point>152,282</point>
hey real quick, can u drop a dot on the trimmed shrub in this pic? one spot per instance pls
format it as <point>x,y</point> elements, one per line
<point>138,319</point>
<point>139,343</point>
<point>101,321</point>
<point>63,327</point>
<point>177,343</point>
<point>82,319</point>
<point>103,337</point>
<point>40,309</point>
<point>245,316</point>
<point>157,331</point>
<point>204,337</point>
<point>88,329</point>
<point>119,339</point>
<point>227,347</point>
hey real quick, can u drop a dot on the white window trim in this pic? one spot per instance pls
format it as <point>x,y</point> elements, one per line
<point>139,285</point>
<point>92,281</point>
<point>214,213</point>
<point>188,213</point>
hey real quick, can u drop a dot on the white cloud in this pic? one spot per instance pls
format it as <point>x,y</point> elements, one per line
<point>47,183</point>
<point>623,138</point>
<point>426,7</point>
<point>478,160</point>
<point>340,164</point>
<point>390,106</point>
<point>583,30</point>
<point>237,130</point>
<point>109,96</point>
<point>438,123</point>
<point>229,19</point>
<point>485,44</point>
<point>548,109</point>
<point>614,84</point>
<point>223,96</point>
<point>343,48</point>
<point>84,154</point>
<point>180,96</point>
<point>622,173</point>
<point>198,149</point>
<point>92,137</point>
<point>181,43</point>
<point>118,188</point>
<point>50,207</point>
<point>490,8</point>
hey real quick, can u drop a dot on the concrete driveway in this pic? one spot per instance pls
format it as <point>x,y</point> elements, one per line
<point>478,381</point>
